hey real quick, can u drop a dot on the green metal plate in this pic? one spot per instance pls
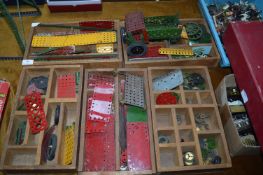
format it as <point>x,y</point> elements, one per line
<point>136,114</point>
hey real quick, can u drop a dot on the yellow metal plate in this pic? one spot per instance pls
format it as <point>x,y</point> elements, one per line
<point>175,51</point>
<point>104,48</point>
<point>74,40</point>
<point>69,145</point>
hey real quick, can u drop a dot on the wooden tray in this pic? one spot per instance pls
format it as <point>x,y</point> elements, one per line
<point>169,156</point>
<point>27,156</point>
<point>210,61</point>
<point>118,75</point>
<point>86,59</point>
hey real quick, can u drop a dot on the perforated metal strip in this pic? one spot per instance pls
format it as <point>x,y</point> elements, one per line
<point>71,40</point>
<point>134,90</point>
<point>175,51</point>
<point>69,145</point>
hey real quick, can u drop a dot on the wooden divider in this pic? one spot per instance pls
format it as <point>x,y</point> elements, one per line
<point>116,102</point>
<point>169,156</point>
<point>27,156</point>
<point>211,61</point>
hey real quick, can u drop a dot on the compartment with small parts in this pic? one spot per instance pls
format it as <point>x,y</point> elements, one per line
<point>92,43</point>
<point>183,117</point>
<point>190,157</point>
<point>186,135</point>
<point>38,137</point>
<point>239,131</point>
<point>212,150</point>
<point>116,123</point>
<point>65,83</point>
<point>191,98</point>
<point>166,136</point>
<point>166,40</point>
<point>205,118</point>
<point>178,127</point>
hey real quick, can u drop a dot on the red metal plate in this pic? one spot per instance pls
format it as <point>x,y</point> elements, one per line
<point>35,112</point>
<point>100,150</point>
<point>101,103</point>
<point>152,53</point>
<point>138,146</point>
<point>93,126</point>
<point>66,87</point>
<point>96,79</point>
<point>98,24</point>
<point>62,51</point>
<point>4,89</point>
<point>134,22</point>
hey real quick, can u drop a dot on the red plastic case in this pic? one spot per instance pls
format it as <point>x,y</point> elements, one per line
<point>243,44</point>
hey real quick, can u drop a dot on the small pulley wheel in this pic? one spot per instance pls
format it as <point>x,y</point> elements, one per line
<point>137,49</point>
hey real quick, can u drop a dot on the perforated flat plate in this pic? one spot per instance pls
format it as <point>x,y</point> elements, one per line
<point>134,90</point>
<point>66,86</point>
<point>205,49</point>
<point>104,48</point>
<point>98,24</point>
<point>175,51</point>
<point>152,53</point>
<point>69,145</point>
<point>74,40</point>
<point>134,21</point>
<point>95,79</point>
<point>101,103</point>
<point>168,81</point>
<point>100,150</point>
<point>35,112</point>
<point>138,146</point>
<point>91,125</point>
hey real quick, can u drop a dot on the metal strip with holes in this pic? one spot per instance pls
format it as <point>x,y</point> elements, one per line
<point>77,39</point>
<point>175,51</point>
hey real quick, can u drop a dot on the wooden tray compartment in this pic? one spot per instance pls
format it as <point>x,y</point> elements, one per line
<point>27,155</point>
<point>118,76</point>
<point>212,59</point>
<point>179,120</point>
<point>93,59</point>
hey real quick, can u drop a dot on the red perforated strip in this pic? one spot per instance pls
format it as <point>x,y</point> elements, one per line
<point>35,112</point>
<point>99,79</point>
<point>66,87</point>
<point>153,52</point>
<point>138,146</point>
<point>98,24</point>
<point>62,51</point>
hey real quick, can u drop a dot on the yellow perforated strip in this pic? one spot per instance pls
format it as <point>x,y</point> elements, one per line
<point>74,40</point>
<point>69,145</point>
<point>175,51</point>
